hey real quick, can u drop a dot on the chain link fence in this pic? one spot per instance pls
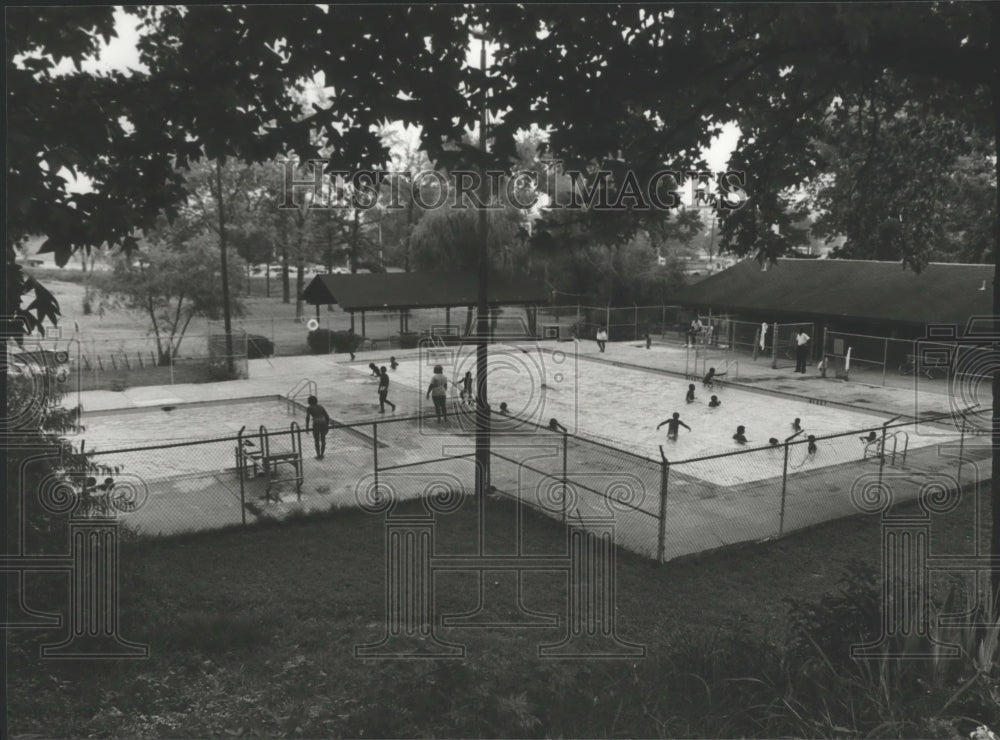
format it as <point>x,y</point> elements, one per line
<point>662,509</point>
<point>962,371</point>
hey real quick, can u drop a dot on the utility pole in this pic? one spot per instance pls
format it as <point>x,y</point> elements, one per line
<point>482,325</point>
<point>227,319</point>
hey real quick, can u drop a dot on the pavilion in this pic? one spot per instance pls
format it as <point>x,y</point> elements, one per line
<point>402,291</point>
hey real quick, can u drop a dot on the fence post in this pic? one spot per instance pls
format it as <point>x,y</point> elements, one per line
<point>565,491</point>
<point>961,454</point>
<point>774,346</point>
<point>784,489</point>
<point>885,358</point>
<point>375,453</point>
<point>607,320</point>
<point>170,356</point>
<point>239,472</point>
<point>663,322</point>
<point>635,322</point>
<point>661,537</point>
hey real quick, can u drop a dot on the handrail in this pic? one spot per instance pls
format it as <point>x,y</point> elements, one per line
<point>906,445</point>
<point>305,385</point>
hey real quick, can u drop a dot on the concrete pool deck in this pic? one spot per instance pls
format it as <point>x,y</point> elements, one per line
<point>702,513</point>
<point>277,375</point>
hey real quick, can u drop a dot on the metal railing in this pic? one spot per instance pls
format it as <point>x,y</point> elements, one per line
<point>663,508</point>
<point>305,386</point>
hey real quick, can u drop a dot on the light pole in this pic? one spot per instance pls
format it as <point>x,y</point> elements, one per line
<point>482,324</point>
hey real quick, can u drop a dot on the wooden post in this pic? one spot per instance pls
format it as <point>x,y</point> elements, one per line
<point>363,324</point>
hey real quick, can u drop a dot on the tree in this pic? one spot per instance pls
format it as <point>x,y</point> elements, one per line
<point>676,73</point>
<point>896,171</point>
<point>172,278</point>
<point>645,86</point>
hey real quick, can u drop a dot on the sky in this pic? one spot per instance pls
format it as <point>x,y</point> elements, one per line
<point>121,54</point>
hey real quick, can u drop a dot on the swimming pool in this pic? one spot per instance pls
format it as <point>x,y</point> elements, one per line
<point>622,406</point>
<point>185,422</point>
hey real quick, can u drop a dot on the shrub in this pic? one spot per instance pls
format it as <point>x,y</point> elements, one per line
<point>409,340</point>
<point>324,341</point>
<point>259,346</point>
<point>850,616</point>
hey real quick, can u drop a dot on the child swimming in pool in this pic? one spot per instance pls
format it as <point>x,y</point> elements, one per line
<point>674,424</point>
<point>709,377</point>
<point>714,403</point>
<point>811,447</point>
<point>797,425</point>
<point>740,436</point>
<point>690,394</point>
<point>374,368</point>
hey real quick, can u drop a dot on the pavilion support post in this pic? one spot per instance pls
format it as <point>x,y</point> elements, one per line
<point>447,319</point>
<point>352,322</point>
<point>402,313</point>
<point>317,317</point>
<point>363,333</point>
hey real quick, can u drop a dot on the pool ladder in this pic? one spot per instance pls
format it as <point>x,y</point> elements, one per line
<point>250,457</point>
<point>875,448</point>
<point>306,386</point>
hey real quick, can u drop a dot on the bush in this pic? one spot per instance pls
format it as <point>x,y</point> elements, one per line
<point>409,340</point>
<point>849,616</point>
<point>259,346</point>
<point>324,341</point>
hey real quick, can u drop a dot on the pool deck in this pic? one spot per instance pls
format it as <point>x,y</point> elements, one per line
<point>277,375</point>
<point>700,515</point>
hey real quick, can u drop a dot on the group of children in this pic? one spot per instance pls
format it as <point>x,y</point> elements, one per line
<point>674,423</point>
<point>318,419</point>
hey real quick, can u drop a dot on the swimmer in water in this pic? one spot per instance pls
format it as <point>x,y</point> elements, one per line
<point>714,402</point>
<point>740,436</point>
<point>674,424</point>
<point>707,381</point>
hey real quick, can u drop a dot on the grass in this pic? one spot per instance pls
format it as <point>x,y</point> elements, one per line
<point>252,632</point>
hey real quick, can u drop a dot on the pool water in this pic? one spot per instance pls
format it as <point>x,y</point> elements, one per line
<point>137,427</point>
<point>622,406</point>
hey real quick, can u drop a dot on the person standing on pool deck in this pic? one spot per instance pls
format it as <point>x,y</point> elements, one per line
<point>465,393</point>
<point>438,390</point>
<point>602,338</point>
<point>694,331</point>
<point>649,340</point>
<point>674,424</point>
<point>383,391</point>
<point>320,425</point>
<point>801,351</point>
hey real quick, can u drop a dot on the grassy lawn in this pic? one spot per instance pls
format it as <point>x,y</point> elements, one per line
<point>252,632</point>
<point>117,330</point>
